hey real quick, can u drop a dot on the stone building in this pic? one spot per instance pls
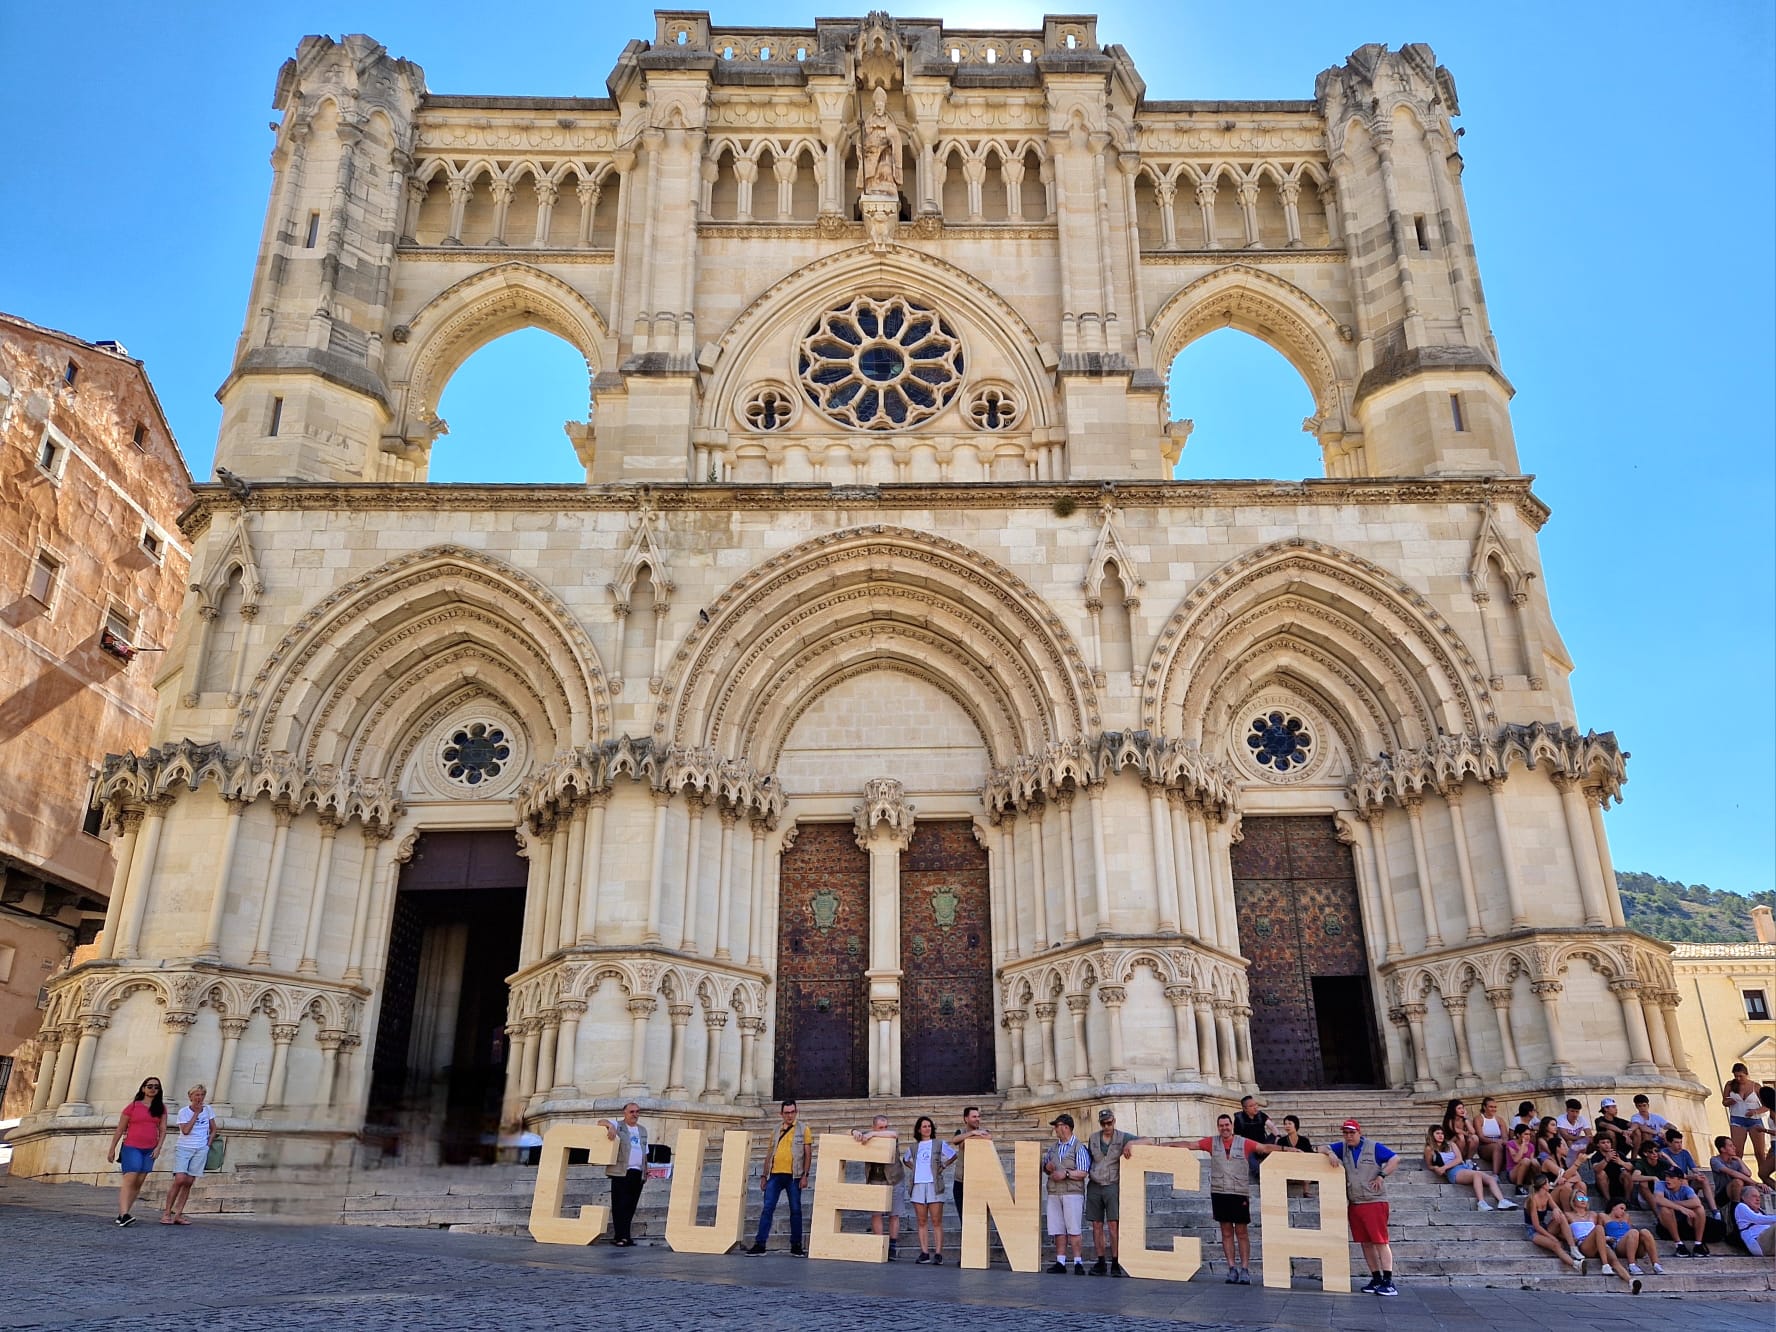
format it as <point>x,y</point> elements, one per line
<point>1728,989</point>
<point>94,568</point>
<point>879,717</point>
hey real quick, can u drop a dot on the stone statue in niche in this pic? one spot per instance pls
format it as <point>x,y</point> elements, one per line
<point>878,158</point>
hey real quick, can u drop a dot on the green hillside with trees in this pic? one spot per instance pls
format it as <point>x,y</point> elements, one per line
<point>1688,913</point>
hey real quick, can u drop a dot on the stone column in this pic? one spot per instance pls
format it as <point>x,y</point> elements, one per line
<point>1595,799</point>
<point>1495,787</point>
<point>1655,1025</point>
<point>1226,1047</point>
<point>1421,861</point>
<point>178,1026</point>
<point>1421,1055</point>
<point>317,898</point>
<point>282,1035</point>
<point>1112,997</point>
<point>1221,866</point>
<point>1290,191</point>
<point>1164,860</point>
<point>1457,1008</point>
<point>1375,846</point>
<point>1038,877</point>
<point>1045,1021</point>
<point>724,875</point>
<point>1208,1053</point>
<point>676,1089</point>
<point>539,849</point>
<point>330,1042</point>
<point>587,193</point>
<point>459,191</point>
<point>233,1028</point>
<point>1183,1033</point>
<point>135,901</point>
<point>657,872</point>
<point>751,1029</point>
<point>376,837</point>
<point>211,948</point>
<point>546,192</point>
<point>883,1012</point>
<point>552,900</point>
<point>573,875</point>
<point>524,1051</point>
<point>1183,868</point>
<point>1069,882</point>
<point>640,1010</point>
<point>1584,855</point>
<point>714,1021</point>
<point>69,1034</point>
<point>592,871</point>
<point>1464,864</point>
<point>50,1041</point>
<point>1203,872</point>
<point>1248,198</point>
<point>1013,1021</point>
<point>1242,1045</point>
<point>755,896</point>
<point>548,1039</point>
<point>567,1047</point>
<point>883,825</point>
<point>1640,1049</point>
<point>1500,999</point>
<point>283,815</point>
<point>130,820</point>
<point>92,1028</point>
<point>1008,925</point>
<point>1082,1075</point>
<point>1548,991</point>
<point>1668,1002</point>
<point>687,928</point>
<point>1100,896</point>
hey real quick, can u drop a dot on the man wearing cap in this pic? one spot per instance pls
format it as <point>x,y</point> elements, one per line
<point>1067,1164</point>
<point>1611,1124</point>
<point>1103,1190</point>
<point>1366,1168</point>
<point>1230,1192</point>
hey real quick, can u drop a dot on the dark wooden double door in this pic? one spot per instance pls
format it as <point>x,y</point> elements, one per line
<point>1301,926</point>
<point>823,1026</point>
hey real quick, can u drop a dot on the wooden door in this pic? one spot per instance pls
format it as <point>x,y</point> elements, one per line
<point>1295,894</point>
<point>822,952</point>
<point>946,958</point>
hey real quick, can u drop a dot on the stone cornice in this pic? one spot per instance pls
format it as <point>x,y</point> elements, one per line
<point>685,497</point>
<point>1214,259</point>
<point>503,254</point>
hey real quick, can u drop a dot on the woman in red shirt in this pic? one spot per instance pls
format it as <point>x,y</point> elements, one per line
<point>140,1128</point>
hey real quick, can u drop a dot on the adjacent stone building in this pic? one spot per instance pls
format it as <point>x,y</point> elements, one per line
<point>1728,989</point>
<point>94,569</point>
<point>879,717</point>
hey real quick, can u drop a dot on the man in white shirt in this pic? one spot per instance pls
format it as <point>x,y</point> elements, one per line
<point>627,1171</point>
<point>1574,1128</point>
<point>1757,1228</point>
<point>1644,1125</point>
<point>195,1123</point>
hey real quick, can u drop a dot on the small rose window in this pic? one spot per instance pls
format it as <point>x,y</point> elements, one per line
<point>475,753</point>
<point>1279,741</point>
<point>880,363</point>
<point>993,408</point>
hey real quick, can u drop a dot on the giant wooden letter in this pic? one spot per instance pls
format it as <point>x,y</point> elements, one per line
<point>1330,1243</point>
<point>683,1233</point>
<point>547,1225</point>
<point>833,1195</point>
<point>1186,1255</point>
<point>1016,1215</point>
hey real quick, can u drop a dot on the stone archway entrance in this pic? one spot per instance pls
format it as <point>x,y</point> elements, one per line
<point>823,939</point>
<point>1300,923</point>
<point>946,962</point>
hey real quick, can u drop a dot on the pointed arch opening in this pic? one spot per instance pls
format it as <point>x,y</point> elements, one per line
<point>1246,405</point>
<point>505,407</point>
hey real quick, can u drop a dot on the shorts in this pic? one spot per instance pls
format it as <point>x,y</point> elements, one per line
<point>189,1159</point>
<point>136,1160</point>
<point>1457,1174</point>
<point>1745,1121</point>
<point>925,1193</point>
<point>1066,1212</point>
<point>1369,1222</point>
<point>1103,1202</point>
<point>1231,1208</point>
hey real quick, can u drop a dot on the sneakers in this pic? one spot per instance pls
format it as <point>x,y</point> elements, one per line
<point>937,1260</point>
<point>1116,1269</point>
<point>1505,1204</point>
<point>1683,1250</point>
<point>1522,1192</point>
<point>1387,1288</point>
<point>757,1248</point>
<point>1578,1263</point>
<point>1056,1268</point>
<point>1099,1268</point>
<point>1370,1289</point>
<point>125,1220</point>
<point>1482,1206</point>
<point>797,1251</point>
<point>1700,1251</point>
<point>1245,1275</point>
<point>1079,1267</point>
<point>1658,1270</point>
<point>893,1250</point>
<point>1634,1286</point>
<point>1634,1270</point>
<point>1233,1276</point>
<point>923,1257</point>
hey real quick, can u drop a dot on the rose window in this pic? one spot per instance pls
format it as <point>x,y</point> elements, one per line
<point>1279,742</point>
<point>880,363</point>
<point>993,408</point>
<point>475,753</point>
<point>768,408</point>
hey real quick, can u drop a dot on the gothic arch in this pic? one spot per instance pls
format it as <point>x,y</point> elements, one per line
<point>458,321</point>
<point>798,298</point>
<point>876,593</point>
<point>344,684</point>
<point>1355,630</point>
<point>1274,311</point>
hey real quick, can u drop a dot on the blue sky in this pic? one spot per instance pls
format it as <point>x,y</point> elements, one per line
<point>1618,173</point>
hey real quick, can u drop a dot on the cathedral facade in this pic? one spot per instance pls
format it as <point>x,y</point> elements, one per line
<point>879,718</point>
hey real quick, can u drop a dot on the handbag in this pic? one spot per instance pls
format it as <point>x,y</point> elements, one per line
<point>217,1154</point>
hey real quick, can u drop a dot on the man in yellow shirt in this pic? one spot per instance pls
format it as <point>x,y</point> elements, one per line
<point>787,1165</point>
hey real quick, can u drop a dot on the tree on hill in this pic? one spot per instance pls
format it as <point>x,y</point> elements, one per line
<point>1688,913</point>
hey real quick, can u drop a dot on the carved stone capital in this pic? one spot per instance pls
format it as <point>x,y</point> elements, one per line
<point>1078,1003</point>
<point>680,1013</point>
<point>178,1022</point>
<point>1112,996</point>
<point>1045,1012</point>
<point>1413,1012</point>
<point>282,1033</point>
<point>884,1010</point>
<point>571,1008</point>
<point>643,1007</point>
<point>1499,997</point>
<point>1544,988</point>
<point>1179,995</point>
<point>715,1018</point>
<point>1013,1019</point>
<point>1624,985</point>
<point>233,1026</point>
<point>884,803</point>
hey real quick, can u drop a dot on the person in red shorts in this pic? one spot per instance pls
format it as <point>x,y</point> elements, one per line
<point>1366,1168</point>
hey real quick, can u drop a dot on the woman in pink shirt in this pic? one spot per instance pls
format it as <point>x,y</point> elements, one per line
<point>140,1129</point>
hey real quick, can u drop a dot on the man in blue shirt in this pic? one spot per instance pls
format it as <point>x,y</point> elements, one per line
<point>1677,1206</point>
<point>1366,1168</point>
<point>1694,1175</point>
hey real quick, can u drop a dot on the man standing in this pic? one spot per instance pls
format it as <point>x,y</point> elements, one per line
<point>1366,1168</point>
<point>1252,1124</point>
<point>971,1131</point>
<point>1103,1190</point>
<point>627,1171</point>
<point>786,1171</point>
<point>891,1173</point>
<point>1067,1163</point>
<point>1232,1163</point>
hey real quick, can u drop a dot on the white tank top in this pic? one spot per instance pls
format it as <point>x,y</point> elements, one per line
<point>1745,1106</point>
<point>1491,1128</point>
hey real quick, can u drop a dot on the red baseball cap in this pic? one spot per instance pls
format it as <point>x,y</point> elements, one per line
<point>1353,1125</point>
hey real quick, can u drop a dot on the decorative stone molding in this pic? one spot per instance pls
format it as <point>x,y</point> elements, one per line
<point>1088,761</point>
<point>1593,761</point>
<point>884,802</point>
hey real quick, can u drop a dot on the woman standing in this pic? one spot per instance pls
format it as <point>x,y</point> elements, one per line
<point>1442,1160</point>
<point>926,1159</point>
<point>196,1124</point>
<point>1745,1117</point>
<point>140,1128</point>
